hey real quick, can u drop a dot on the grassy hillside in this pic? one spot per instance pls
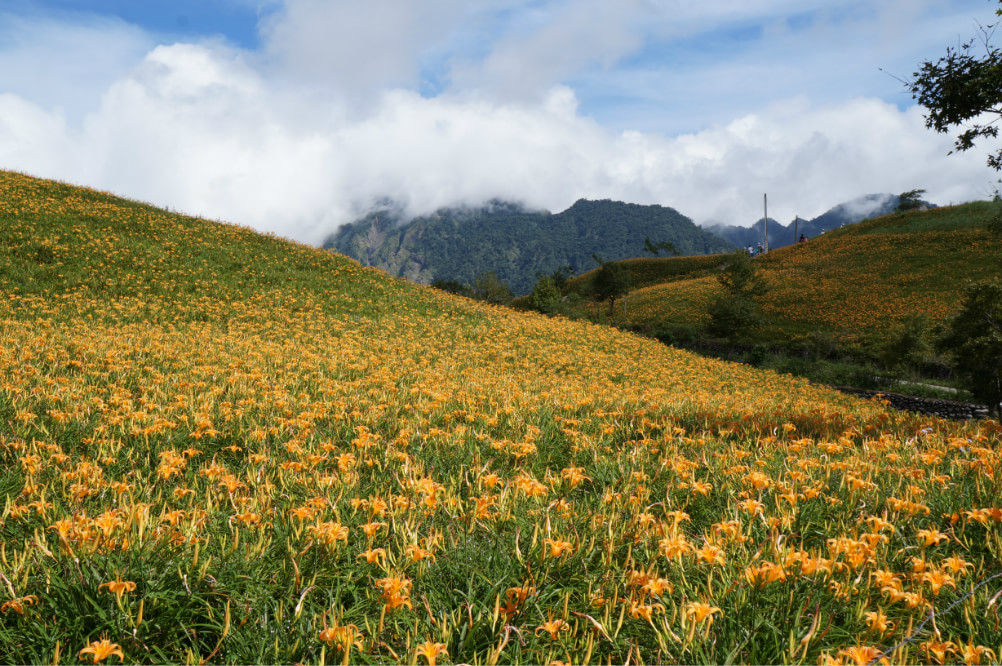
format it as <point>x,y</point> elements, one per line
<point>222,447</point>
<point>856,282</point>
<point>647,271</point>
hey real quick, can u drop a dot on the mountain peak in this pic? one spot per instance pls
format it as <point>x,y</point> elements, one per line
<point>781,235</point>
<point>517,243</point>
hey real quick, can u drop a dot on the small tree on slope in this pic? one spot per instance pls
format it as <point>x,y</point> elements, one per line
<point>610,282</point>
<point>974,340</point>
<point>736,310</point>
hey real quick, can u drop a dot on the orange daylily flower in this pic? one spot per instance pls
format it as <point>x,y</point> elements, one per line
<point>373,555</point>
<point>699,611</point>
<point>102,649</point>
<point>861,655</point>
<point>343,636</point>
<point>430,651</point>
<point>17,605</point>
<point>558,548</point>
<point>553,628</point>
<point>877,622</point>
<point>711,554</point>
<point>118,587</point>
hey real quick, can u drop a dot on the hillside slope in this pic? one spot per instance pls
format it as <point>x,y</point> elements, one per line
<point>857,281</point>
<point>517,244</point>
<point>222,447</point>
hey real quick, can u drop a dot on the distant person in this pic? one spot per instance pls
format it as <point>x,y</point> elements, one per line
<point>750,250</point>
<point>758,249</point>
<point>803,239</point>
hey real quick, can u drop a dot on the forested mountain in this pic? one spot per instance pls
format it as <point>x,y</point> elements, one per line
<point>781,235</point>
<point>514,242</point>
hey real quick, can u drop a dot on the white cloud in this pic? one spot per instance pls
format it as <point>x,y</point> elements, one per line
<point>707,63</point>
<point>357,46</point>
<point>556,45</point>
<point>809,159</point>
<point>217,132</point>
<point>63,65</point>
<point>31,137</point>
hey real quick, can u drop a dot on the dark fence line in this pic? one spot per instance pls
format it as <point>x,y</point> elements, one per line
<point>947,409</point>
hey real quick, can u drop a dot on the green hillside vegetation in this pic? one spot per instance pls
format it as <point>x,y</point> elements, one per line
<point>223,447</point>
<point>515,243</point>
<point>851,289</point>
<point>647,271</point>
<point>643,272</point>
<point>857,282</point>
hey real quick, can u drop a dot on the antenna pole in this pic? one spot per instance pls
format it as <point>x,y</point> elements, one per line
<point>765,207</point>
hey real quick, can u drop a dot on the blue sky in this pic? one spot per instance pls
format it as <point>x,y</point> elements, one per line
<point>234,20</point>
<point>295,115</point>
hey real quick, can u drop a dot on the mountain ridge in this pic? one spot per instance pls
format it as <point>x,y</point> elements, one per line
<point>781,235</point>
<point>513,241</point>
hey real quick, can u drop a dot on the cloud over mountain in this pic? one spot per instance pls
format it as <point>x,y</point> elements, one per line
<point>346,104</point>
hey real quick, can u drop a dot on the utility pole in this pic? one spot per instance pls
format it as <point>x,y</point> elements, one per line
<point>796,223</point>
<point>765,207</point>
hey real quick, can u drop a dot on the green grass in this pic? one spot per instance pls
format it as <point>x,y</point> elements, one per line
<point>973,216</point>
<point>854,286</point>
<point>201,410</point>
<point>646,271</point>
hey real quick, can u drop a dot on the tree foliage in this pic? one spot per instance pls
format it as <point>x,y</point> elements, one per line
<point>994,221</point>
<point>546,295</point>
<point>486,287</point>
<point>489,288</point>
<point>910,200</point>
<point>974,340</point>
<point>452,286</point>
<point>561,276</point>
<point>739,276</point>
<point>994,224</point>
<point>656,248</point>
<point>731,315</point>
<point>550,293</point>
<point>963,89</point>
<point>908,345</point>
<point>736,310</point>
<point>610,282</point>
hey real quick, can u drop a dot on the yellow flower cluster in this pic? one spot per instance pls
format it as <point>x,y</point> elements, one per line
<point>263,452</point>
<point>856,285</point>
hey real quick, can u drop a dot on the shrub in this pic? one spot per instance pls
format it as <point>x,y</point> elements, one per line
<point>908,346</point>
<point>758,354</point>
<point>488,287</point>
<point>974,341</point>
<point>731,315</point>
<point>736,310</point>
<point>545,296</point>
<point>610,282</point>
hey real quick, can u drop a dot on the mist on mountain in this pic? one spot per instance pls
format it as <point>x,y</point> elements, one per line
<point>781,235</point>
<point>515,242</point>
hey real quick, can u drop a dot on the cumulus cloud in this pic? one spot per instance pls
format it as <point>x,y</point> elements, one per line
<point>226,134</point>
<point>63,65</point>
<point>356,47</point>
<point>555,44</point>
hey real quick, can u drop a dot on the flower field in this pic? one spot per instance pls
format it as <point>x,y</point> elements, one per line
<point>858,281</point>
<point>685,301</point>
<point>222,447</point>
